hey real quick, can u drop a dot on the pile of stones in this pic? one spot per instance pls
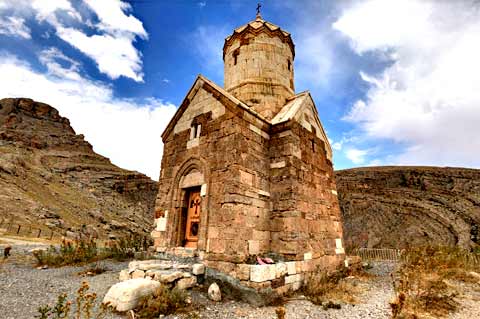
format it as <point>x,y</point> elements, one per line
<point>142,278</point>
<point>172,273</point>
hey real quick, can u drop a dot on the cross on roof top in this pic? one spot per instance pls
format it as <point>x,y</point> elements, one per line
<point>258,10</point>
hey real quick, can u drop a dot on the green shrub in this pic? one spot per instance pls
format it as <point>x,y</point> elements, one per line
<point>86,251</point>
<point>68,254</point>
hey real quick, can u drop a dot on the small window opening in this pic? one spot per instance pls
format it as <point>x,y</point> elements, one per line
<point>289,65</point>
<point>235,55</point>
<point>195,131</point>
<point>313,145</point>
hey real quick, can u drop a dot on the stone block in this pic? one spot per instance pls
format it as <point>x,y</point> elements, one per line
<point>124,275</point>
<point>170,276</point>
<point>260,235</point>
<point>339,247</point>
<point>246,178</point>
<point>138,274</point>
<point>155,233</point>
<point>296,285</point>
<point>193,143</point>
<point>253,247</point>
<point>278,164</point>
<point>291,267</point>
<point>155,266</point>
<point>243,271</point>
<point>198,269</point>
<point>299,266</point>
<point>161,223</point>
<point>127,294</point>
<point>261,273</point>
<point>203,190</point>
<point>281,269</point>
<point>186,283</point>
<point>307,256</point>
<point>293,278</point>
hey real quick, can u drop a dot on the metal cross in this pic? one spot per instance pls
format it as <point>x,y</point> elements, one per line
<point>258,8</point>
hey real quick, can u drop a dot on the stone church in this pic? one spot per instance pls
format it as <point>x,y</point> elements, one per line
<point>247,169</point>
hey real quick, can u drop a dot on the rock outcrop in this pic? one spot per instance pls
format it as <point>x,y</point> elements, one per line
<point>51,178</point>
<point>401,206</point>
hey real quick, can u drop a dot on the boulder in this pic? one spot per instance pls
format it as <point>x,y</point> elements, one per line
<point>138,274</point>
<point>170,276</point>
<point>198,269</point>
<point>127,294</point>
<point>186,283</point>
<point>124,275</point>
<point>214,292</point>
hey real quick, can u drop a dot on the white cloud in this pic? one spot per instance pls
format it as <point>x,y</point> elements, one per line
<point>429,96</point>
<point>51,58</point>
<point>357,156</point>
<point>113,19</point>
<point>115,55</point>
<point>337,146</point>
<point>46,9</point>
<point>314,58</point>
<point>126,131</point>
<point>14,26</point>
<point>110,42</point>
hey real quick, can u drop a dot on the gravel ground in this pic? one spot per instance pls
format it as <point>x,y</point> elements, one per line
<point>24,288</point>
<point>373,303</point>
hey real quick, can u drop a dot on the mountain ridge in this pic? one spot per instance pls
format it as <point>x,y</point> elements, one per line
<point>398,206</point>
<point>52,178</point>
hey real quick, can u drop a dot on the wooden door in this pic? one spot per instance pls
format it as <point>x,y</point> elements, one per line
<point>193,219</point>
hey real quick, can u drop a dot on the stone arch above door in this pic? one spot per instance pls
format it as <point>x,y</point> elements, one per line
<point>192,178</point>
<point>192,173</point>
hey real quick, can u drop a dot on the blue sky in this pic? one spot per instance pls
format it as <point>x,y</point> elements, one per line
<point>395,82</point>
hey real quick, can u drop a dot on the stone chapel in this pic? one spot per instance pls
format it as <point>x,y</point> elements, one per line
<point>247,169</point>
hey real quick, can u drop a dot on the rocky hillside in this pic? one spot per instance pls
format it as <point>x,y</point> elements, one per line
<point>400,206</point>
<point>51,178</point>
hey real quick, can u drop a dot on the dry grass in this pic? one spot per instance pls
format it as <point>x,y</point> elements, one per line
<point>82,307</point>
<point>343,285</point>
<point>425,281</point>
<point>164,301</point>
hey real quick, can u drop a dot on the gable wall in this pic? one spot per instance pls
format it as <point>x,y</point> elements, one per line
<point>233,153</point>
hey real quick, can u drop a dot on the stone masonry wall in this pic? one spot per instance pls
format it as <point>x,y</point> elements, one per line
<point>232,155</point>
<point>259,71</point>
<point>305,216</point>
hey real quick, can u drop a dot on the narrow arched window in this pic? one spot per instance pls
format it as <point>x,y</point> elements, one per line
<point>195,131</point>
<point>235,54</point>
<point>289,65</point>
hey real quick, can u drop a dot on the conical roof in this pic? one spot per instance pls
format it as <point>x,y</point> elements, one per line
<point>259,25</point>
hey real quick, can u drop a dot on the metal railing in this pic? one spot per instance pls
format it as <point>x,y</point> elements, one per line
<point>389,254</point>
<point>11,228</point>
<point>380,254</point>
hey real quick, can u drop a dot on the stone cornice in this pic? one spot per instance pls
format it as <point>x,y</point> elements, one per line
<point>259,82</point>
